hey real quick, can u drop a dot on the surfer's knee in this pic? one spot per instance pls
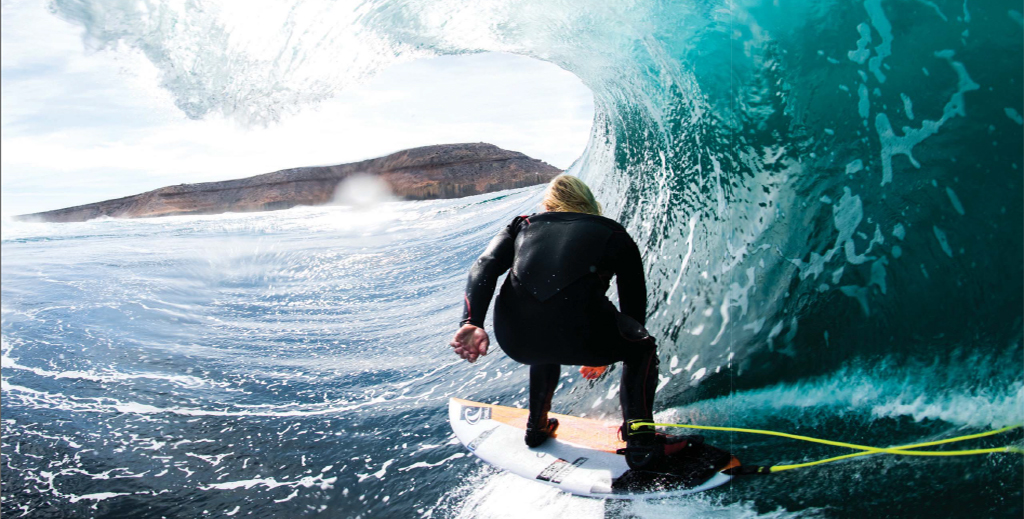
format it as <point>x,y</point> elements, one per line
<point>630,329</point>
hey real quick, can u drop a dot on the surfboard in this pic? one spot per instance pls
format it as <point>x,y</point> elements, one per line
<point>580,458</point>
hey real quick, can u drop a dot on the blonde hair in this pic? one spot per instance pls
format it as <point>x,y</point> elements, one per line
<point>569,194</point>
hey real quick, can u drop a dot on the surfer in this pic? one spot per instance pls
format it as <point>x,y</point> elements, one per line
<point>553,310</point>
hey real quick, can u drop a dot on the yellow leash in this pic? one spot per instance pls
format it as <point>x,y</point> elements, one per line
<point>904,450</point>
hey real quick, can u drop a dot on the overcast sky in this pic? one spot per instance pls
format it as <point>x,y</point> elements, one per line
<point>82,126</point>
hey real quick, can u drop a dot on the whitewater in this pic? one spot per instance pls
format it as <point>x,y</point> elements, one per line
<point>828,200</point>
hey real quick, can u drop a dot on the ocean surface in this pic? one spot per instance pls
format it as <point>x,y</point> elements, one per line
<point>828,199</point>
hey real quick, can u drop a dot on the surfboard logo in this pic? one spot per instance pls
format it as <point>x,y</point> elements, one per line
<point>472,414</point>
<point>558,469</point>
<point>480,439</point>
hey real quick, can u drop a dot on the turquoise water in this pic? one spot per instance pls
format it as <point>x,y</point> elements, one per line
<point>827,194</point>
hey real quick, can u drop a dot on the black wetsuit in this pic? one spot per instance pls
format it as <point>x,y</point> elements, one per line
<point>553,308</point>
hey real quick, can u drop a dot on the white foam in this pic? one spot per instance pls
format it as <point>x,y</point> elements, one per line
<point>893,145</point>
<point>940,236</point>
<point>953,199</point>
<point>884,28</point>
<point>213,460</point>
<point>99,496</point>
<point>379,474</point>
<point>289,497</point>
<point>862,53</point>
<point>271,483</point>
<point>899,232</point>
<point>1014,115</point>
<point>881,392</point>
<point>7,362</point>
<point>908,106</point>
<point>497,495</point>
<point>699,374</point>
<point>736,296</point>
<point>863,102</point>
<point>111,405</point>
<point>689,365</point>
<point>424,464</point>
<point>854,166</point>
<point>686,259</point>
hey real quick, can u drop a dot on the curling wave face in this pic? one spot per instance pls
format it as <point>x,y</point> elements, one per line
<point>827,195</point>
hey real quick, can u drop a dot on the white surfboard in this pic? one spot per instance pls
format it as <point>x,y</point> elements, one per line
<point>579,459</point>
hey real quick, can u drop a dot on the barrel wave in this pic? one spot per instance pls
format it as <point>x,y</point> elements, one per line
<point>827,196</point>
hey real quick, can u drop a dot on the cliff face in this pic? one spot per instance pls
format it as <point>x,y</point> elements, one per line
<point>441,171</point>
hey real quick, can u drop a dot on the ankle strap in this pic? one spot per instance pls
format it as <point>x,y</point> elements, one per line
<point>639,430</point>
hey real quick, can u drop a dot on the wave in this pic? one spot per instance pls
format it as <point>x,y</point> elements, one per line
<point>793,172</point>
<point>827,195</point>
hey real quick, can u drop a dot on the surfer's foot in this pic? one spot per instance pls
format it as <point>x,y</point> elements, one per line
<point>535,437</point>
<point>651,451</point>
<point>642,450</point>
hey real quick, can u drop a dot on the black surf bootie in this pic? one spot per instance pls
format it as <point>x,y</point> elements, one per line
<point>536,436</point>
<point>641,452</point>
<point>650,451</point>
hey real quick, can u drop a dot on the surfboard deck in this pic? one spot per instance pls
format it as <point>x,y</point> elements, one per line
<point>580,458</point>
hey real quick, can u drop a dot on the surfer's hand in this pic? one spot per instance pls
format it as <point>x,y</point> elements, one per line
<point>592,372</point>
<point>470,342</point>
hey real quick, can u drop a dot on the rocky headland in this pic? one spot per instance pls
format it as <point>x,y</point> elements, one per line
<point>440,171</point>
